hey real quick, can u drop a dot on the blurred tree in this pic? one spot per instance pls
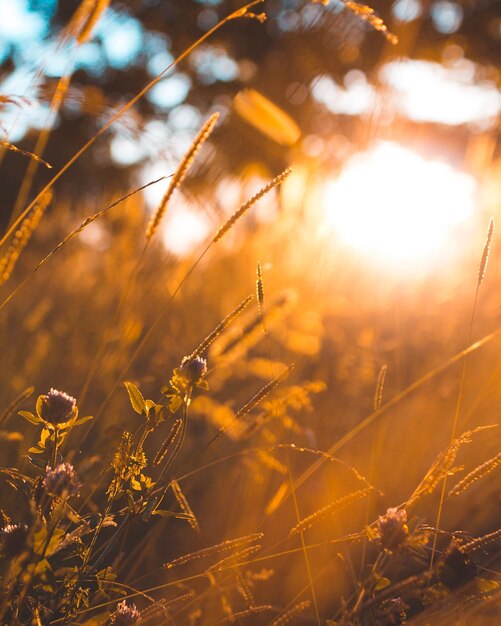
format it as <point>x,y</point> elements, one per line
<point>283,59</point>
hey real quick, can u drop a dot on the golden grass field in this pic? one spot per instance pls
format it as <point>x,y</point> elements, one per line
<point>282,432</point>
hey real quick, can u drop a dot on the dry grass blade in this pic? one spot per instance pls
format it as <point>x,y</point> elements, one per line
<point>223,324</point>
<point>393,591</point>
<point>14,100</point>
<point>327,457</point>
<point>443,465</point>
<point>10,410</point>
<point>180,173</point>
<point>259,288</point>
<point>247,613</point>
<point>75,232</point>
<point>266,117</point>
<point>184,504</point>
<point>22,237</point>
<point>378,396</point>
<point>26,153</point>
<point>480,542</point>
<point>233,559</point>
<point>224,546</point>
<point>86,17</point>
<point>375,415</point>
<point>277,498</point>
<point>286,617</point>
<point>485,254</point>
<point>278,180</point>
<point>236,346</point>
<point>168,441</point>
<point>126,107</point>
<point>269,461</point>
<point>368,15</point>
<point>263,392</point>
<point>337,505</point>
<point>244,589</point>
<point>476,474</point>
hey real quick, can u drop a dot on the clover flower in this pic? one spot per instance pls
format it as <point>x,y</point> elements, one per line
<point>61,479</point>
<point>193,368</point>
<point>391,529</point>
<point>124,615</point>
<point>13,540</point>
<point>56,407</point>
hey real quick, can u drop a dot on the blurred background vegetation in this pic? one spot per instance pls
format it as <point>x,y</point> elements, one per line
<point>369,250</point>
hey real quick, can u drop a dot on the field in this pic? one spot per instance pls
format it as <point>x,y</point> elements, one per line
<point>222,403</point>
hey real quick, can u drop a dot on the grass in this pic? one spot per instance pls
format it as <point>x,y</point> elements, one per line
<point>275,457</point>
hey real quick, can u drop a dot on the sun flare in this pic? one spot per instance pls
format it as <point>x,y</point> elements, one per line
<point>397,206</point>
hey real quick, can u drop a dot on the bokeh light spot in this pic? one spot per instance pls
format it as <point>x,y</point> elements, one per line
<point>396,206</point>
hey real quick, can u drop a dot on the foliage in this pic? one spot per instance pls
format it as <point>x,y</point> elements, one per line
<point>219,487</point>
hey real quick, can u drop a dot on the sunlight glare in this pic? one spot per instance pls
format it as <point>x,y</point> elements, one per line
<point>184,228</point>
<point>396,206</point>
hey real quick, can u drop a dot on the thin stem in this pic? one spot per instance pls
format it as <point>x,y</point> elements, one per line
<point>53,461</point>
<point>454,427</point>
<point>120,112</point>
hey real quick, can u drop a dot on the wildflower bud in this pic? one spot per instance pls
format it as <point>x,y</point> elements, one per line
<point>391,529</point>
<point>61,479</point>
<point>193,368</point>
<point>13,540</point>
<point>124,615</point>
<point>392,612</point>
<point>56,407</point>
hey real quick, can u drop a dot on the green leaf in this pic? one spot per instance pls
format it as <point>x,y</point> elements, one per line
<point>172,514</point>
<point>382,583</point>
<point>106,574</point>
<point>135,484</point>
<point>159,413</point>
<point>39,463</point>
<point>487,586</point>
<point>135,397</point>
<point>154,412</point>
<point>36,450</point>
<point>39,405</point>
<point>82,420</point>
<point>34,419</point>
<point>175,403</point>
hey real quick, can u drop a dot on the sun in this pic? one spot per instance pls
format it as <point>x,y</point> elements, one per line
<point>396,206</point>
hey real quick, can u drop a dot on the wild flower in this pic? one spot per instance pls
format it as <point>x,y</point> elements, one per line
<point>13,540</point>
<point>56,407</point>
<point>57,413</point>
<point>391,529</point>
<point>392,611</point>
<point>61,480</point>
<point>124,615</point>
<point>191,373</point>
<point>193,369</point>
